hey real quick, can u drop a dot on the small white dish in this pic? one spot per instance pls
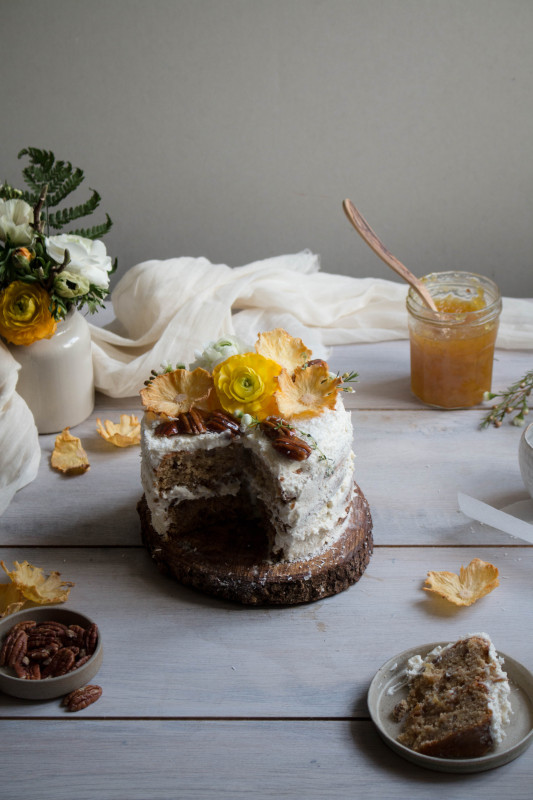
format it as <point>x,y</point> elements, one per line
<point>389,686</point>
<point>525,457</point>
<point>48,688</point>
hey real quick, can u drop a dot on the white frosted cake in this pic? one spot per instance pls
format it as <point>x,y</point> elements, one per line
<point>284,452</point>
<point>304,504</point>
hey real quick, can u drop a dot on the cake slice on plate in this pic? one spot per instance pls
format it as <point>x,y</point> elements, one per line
<point>458,700</point>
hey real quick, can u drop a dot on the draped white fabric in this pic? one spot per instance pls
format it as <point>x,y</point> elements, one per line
<point>165,310</point>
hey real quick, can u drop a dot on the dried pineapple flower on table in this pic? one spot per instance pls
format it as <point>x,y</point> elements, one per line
<point>125,434</point>
<point>284,349</point>
<point>69,456</point>
<point>35,586</point>
<point>475,581</point>
<point>11,599</point>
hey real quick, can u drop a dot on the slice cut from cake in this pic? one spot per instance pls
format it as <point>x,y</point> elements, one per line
<point>458,700</point>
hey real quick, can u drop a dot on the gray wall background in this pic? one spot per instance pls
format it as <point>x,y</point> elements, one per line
<point>233,129</point>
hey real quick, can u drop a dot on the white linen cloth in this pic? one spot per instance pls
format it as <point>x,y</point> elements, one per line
<point>166,310</point>
<point>172,308</point>
<point>19,443</point>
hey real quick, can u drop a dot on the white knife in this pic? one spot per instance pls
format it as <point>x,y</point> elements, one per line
<point>482,512</point>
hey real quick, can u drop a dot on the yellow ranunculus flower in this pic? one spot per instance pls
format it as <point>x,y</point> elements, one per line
<point>247,383</point>
<point>24,313</point>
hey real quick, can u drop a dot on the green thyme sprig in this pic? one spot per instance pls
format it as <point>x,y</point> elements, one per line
<point>313,444</point>
<point>348,377</point>
<point>514,399</point>
<point>165,368</point>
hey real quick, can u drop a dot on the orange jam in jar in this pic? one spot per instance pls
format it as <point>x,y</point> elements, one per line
<point>452,349</point>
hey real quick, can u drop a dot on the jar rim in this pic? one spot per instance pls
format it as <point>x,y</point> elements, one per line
<point>417,308</point>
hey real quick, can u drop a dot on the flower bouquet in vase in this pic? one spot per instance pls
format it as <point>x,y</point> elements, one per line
<point>44,280</point>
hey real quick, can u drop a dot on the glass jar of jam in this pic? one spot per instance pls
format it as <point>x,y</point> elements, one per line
<point>452,349</point>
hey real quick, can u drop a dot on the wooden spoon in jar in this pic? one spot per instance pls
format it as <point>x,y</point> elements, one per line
<point>365,231</point>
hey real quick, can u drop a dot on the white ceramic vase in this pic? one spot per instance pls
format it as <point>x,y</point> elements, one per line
<point>56,375</point>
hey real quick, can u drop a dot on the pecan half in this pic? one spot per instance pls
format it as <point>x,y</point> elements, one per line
<point>275,427</point>
<point>42,653</point>
<point>25,625</point>
<point>37,640</point>
<point>293,447</point>
<point>60,663</point>
<point>78,636</point>
<point>81,698</point>
<point>191,422</point>
<point>17,648</point>
<point>51,626</point>
<point>219,422</point>
<point>168,428</point>
<point>91,638</point>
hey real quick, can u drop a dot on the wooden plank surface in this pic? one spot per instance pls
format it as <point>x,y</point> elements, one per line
<point>204,760</point>
<point>206,699</point>
<point>173,652</point>
<point>410,466</point>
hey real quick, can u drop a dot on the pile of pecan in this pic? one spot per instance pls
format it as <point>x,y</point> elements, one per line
<point>195,421</point>
<point>284,440</point>
<point>38,650</point>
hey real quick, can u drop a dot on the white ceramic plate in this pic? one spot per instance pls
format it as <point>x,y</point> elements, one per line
<point>389,686</point>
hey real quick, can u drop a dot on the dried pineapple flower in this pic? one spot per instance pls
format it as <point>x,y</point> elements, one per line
<point>125,434</point>
<point>478,579</point>
<point>34,586</point>
<point>11,599</point>
<point>176,392</point>
<point>308,393</point>
<point>284,349</point>
<point>69,456</point>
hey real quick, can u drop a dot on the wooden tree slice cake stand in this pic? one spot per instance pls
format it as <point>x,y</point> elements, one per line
<point>227,563</point>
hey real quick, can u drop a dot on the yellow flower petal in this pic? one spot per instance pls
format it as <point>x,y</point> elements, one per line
<point>32,583</point>
<point>176,392</point>
<point>247,383</point>
<point>475,581</point>
<point>11,599</point>
<point>125,434</point>
<point>308,393</point>
<point>284,349</point>
<point>68,455</point>
<point>24,313</point>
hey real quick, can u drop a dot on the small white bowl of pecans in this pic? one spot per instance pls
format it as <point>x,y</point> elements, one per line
<point>48,652</point>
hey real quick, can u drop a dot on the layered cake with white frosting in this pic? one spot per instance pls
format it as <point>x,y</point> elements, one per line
<point>254,441</point>
<point>458,702</point>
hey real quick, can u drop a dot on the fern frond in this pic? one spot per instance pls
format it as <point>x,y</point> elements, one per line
<point>35,174</point>
<point>61,218</point>
<point>64,186</point>
<point>97,231</point>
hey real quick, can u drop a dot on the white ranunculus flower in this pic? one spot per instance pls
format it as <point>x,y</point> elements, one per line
<point>15,219</point>
<point>71,284</point>
<point>88,257</point>
<point>216,352</point>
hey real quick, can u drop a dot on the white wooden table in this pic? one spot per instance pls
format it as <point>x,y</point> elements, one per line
<point>204,699</point>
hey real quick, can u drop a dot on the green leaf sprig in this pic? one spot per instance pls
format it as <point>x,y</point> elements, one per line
<point>514,399</point>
